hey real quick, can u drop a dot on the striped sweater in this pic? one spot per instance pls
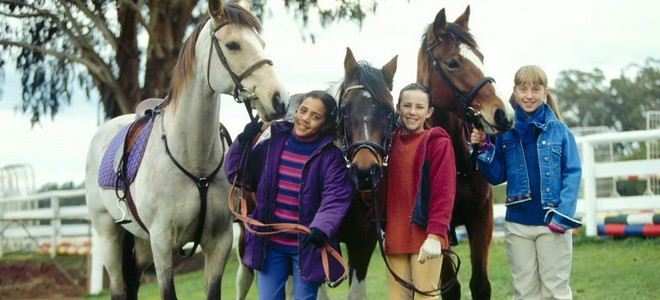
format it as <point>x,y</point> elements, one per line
<point>295,154</point>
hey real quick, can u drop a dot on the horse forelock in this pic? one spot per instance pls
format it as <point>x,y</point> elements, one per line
<point>453,36</point>
<point>232,14</point>
<point>373,81</point>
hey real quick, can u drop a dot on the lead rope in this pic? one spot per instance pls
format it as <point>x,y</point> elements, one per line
<point>447,253</point>
<point>280,227</point>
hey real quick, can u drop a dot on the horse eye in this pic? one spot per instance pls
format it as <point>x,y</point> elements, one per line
<point>452,64</point>
<point>234,46</point>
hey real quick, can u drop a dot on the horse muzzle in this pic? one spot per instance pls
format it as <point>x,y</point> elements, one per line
<point>365,179</point>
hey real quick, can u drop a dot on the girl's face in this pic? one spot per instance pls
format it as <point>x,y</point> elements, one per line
<point>309,118</point>
<point>530,96</point>
<point>414,110</point>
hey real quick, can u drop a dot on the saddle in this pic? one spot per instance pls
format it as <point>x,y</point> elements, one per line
<point>147,106</point>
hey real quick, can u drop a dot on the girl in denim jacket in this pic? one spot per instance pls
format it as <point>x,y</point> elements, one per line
<point>540,162</point>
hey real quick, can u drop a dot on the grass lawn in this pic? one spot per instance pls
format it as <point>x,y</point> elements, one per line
<point>602,269</point>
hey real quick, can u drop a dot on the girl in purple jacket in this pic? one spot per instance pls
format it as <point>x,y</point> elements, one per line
<point>299,177</point>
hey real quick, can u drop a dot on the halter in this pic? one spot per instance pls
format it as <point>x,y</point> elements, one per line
<point>464,99</point>
<point>375,148</point>
<point>241,93</point>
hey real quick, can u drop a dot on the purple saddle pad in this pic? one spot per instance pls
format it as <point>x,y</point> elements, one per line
<point>137,145</point>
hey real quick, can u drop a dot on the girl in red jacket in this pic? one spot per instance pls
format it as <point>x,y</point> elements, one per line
<point>421,186</point>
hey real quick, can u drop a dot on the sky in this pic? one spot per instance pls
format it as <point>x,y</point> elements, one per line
<point>556,35</point>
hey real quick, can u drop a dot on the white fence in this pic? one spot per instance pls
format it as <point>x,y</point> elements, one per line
<point>20,216</point>
<point>589,205</point>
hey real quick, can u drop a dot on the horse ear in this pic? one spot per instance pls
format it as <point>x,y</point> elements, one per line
<point>216,8</point>
<point>464,18</point>
<point>439,24</point>
<point>350,64</point>
<point>388,72</point>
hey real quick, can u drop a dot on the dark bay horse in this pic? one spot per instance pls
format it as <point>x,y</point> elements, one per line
<point>451,66</point>
<point>366,122</point>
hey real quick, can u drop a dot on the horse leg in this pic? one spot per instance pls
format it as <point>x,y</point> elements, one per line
<point>244,274</point>
<point>143,256</point>
<point>163,254</point>
<point>359,253</point>
<point>112,240</point>
<point>244,279</point>
<point>480,232</point>
<point>217,249</point>
<point>448,275</point>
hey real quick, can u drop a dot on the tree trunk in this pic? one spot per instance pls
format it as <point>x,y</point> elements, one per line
<point>168,22</point>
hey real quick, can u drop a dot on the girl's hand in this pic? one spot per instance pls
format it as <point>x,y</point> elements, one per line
<point>477,137</point>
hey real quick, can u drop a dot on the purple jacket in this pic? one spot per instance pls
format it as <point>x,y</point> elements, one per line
<point>325,195</point>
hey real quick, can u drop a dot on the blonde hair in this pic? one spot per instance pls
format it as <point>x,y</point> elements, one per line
<point>534,75</point>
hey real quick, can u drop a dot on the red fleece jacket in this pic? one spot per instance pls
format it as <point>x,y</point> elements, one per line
<point>403,182</point>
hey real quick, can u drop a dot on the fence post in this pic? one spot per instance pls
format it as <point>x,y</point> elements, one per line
<point>96,268</point>
<point>55,224</point>
<point>589,190</point>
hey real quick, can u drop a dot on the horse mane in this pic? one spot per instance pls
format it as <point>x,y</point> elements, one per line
<point>181,74</point>
<point>372,79</point>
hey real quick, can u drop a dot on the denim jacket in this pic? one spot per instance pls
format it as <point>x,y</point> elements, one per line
<point>559,164</point>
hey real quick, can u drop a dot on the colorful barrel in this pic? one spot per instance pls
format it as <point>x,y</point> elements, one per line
<point>629,230</point>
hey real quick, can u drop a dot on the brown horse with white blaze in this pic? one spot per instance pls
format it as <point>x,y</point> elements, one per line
<point>450,64</point>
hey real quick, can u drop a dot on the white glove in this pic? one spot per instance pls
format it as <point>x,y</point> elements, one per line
<point>429,250</point>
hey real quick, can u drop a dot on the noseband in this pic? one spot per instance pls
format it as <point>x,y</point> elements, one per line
<point>375,148</point>
<point>241,93</point>
<point>463,98</point>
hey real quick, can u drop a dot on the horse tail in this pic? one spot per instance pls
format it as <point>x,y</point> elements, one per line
<point>129,267</point>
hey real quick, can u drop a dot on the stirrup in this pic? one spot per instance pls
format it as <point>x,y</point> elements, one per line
<point>123,219</point>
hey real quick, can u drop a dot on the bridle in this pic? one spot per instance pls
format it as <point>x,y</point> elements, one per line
<point>465,99</point>
<point>471,115</point>
<point>378,150</point>
<point>241,93</point>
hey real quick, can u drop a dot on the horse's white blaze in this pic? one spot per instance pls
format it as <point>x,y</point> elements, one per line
<point>469,54</point>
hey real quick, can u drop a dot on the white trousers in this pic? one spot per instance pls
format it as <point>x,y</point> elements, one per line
<point>539,261</point>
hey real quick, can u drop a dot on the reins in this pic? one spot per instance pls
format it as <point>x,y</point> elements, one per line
<point>447,253</point>
<point>279,227</point>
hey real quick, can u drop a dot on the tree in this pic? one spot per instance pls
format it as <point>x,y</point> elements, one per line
<point>587,100</point>
<point>95,44</point>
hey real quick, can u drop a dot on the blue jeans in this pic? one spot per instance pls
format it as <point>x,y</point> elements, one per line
<point>278,266</point>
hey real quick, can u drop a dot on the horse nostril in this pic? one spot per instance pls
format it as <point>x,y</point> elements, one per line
<point>503,124</point>
<point>278,104</point>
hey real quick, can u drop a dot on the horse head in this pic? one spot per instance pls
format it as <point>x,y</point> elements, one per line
<point>366,119</point>
<point>451,65</point>
<point>237,51</point>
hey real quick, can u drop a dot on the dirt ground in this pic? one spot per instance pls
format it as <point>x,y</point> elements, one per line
<point>64,278</point>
